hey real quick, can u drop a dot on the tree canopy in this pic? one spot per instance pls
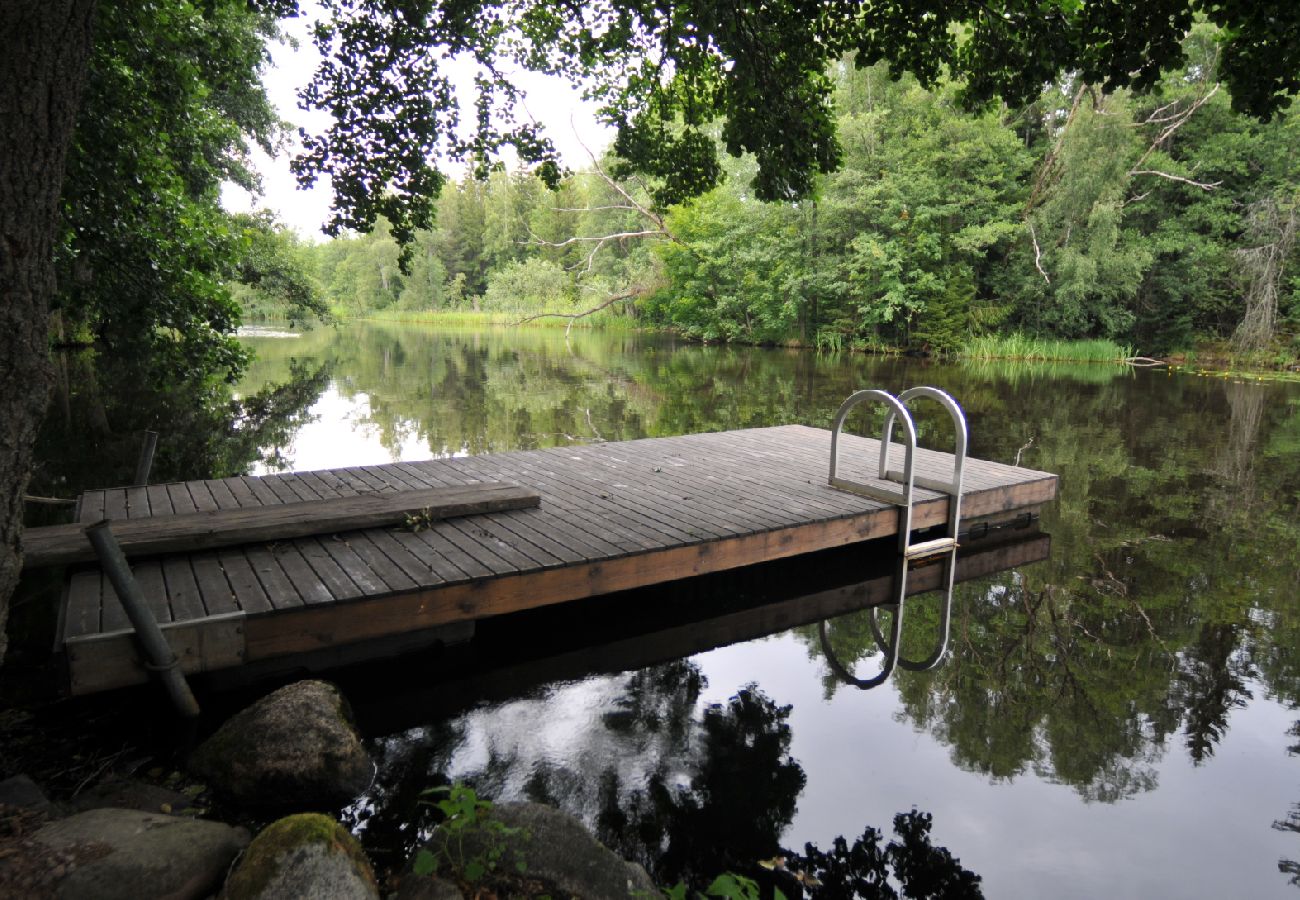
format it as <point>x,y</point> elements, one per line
<point>663,73</point>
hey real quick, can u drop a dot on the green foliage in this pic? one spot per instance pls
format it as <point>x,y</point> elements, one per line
<point>533,285</point>
<point>863,869</point>
<point>102,404</point>
<point>1076,217</point>
<point>735,887</point>
<point>466,816</point>
<point>272,274</point>
<point>172,98</point>
<point>664,75</point>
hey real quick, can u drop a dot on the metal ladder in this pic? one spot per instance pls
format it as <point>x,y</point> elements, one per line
<point>904,498</point>
<point>890,646</point>
<point>907,477</point>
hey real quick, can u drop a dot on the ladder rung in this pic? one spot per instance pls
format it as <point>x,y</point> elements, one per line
<point>933,484</point>
<point>883,494</point>
<point>930,548</point>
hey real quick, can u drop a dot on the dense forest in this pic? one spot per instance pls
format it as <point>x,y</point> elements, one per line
<point>1158,221</point>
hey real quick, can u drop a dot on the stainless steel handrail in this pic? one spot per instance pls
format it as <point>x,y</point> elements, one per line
<point>952,488</point>
<point>902,499</point>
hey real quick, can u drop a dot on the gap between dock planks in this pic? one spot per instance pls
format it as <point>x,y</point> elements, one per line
<point>210,529</point>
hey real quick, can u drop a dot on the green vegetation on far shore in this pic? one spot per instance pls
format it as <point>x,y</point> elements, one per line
<point>1021,346</point>
<point>1072,230</point>
<point>465,318</point>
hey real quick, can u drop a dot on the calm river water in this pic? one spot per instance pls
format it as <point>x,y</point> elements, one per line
<point>1119,720</point>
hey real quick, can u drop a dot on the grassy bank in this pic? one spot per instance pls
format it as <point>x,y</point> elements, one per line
<point>1019,346</point>
<point>471,319</point>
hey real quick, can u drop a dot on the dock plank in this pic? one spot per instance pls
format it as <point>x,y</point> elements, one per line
<point>551,518</point>
<point>679,510</point>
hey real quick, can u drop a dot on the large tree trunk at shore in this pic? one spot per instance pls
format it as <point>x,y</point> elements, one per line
<point>44,49</point>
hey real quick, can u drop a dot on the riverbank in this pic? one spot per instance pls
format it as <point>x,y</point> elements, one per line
<point>1210,358</point>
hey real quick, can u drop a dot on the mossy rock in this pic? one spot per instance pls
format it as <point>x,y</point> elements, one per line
<point>305,855</point>
<point>294,750</point>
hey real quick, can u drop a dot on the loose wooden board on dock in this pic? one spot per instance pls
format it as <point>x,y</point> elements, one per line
<point>612,516</point>
<point>61,545</point>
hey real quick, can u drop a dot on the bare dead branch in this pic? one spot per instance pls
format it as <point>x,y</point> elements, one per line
<point>592,425</point>
<point>631,293</point>
<point>593,208</point>
<point>1175,122</point>
<point>567,242</point>
<point>1029,443</point>
<point>641,208</point>
<point>1156,116</point>
<point>1038,252</point>
<point>1203,185</point>
<point>1273,228</point>
<point>1047,171</point>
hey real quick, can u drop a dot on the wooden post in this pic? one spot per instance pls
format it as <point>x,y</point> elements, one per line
<point>145,462</point>
<point>157,653</point>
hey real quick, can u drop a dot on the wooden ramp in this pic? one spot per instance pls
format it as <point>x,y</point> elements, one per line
<point>612,516</point>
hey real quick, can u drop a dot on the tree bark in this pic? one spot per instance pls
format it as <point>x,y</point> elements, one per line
<point>44,51</point>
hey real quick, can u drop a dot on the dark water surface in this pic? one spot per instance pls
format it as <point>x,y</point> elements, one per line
<point>1115,721</point>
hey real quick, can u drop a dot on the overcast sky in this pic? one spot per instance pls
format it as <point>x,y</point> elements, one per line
<point>551,102</point>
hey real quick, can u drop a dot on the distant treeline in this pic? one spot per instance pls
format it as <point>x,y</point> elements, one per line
<point>1156,221</point>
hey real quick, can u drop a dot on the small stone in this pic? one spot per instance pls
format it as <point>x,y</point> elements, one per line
<point>23,792</point>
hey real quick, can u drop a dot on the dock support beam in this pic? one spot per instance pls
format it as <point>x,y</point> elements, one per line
<point>145,463</point>
<point>158,656</point>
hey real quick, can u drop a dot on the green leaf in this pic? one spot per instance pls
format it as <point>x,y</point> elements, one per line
<point>474,870</point>
<point>426,863</point>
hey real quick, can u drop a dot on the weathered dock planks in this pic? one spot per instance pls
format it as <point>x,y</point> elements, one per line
<point>611,517</point>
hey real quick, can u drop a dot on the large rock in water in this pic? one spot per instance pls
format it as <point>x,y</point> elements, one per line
<point>552,845</point>
<point>294,749</point>
<point>125,854</point>
<point>307,855</point>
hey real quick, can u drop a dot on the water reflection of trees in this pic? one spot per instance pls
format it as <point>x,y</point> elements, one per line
<point>688,791</point>
<point>741,794</point>
<point>101,407</point>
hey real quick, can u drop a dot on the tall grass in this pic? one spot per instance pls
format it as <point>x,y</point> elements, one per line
<point>1020,346</point>
<point>1021,371</point>
<point>834,340</point>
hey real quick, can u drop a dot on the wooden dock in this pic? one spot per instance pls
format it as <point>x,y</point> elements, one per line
<point>612,516</point>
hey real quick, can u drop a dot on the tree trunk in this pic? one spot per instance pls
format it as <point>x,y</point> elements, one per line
<point>44,50</point>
